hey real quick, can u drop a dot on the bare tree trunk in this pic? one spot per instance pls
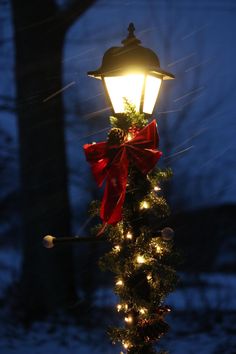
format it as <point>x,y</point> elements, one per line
<point>47,277</point>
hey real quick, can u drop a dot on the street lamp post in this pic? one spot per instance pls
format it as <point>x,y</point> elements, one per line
<point>133,213</point>
<point>132,78</point>
<point>131,72</point>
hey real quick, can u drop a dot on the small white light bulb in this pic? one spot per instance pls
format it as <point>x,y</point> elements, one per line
<point>158,249</point>
<point>129,136</point>
<point>129,236</point>
<point>157,189</point>
<point>143,310</point>
<point>120,282</point>
<point>126,345</point>
<point>117,248</point>
<point>144,205</point>
<point>140,259</point>
<point>129,319</point>
<point>119,307</point>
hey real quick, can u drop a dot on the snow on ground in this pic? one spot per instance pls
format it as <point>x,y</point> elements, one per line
<point>64,338</point>
<point>203,319</point>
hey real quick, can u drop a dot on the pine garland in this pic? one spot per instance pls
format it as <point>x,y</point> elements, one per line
<point>142,256</point>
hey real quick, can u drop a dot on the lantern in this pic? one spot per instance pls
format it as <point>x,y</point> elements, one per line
<point>131,74</point>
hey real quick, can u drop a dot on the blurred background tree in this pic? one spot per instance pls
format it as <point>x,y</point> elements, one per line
<point>40,29</point>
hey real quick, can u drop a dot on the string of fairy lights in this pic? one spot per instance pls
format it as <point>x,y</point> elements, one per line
<point>157,244</point>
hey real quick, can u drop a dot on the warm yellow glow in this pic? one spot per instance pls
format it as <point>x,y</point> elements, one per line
<point>129,319</point>
<point>140,259</point>
<point>126,345</point>
<point>129,136</point>
<point>144,205</point>
<point>117,248</point>
<point>119,307</point>
<point>149,277</point>
<point>129,235</point>
<point>122,307</point>
<point>129,86</point>
<point>157,189</point>
<point>152,88</point>
<point>120,282</point>
<point>158,249</point>
<point>143,310</point>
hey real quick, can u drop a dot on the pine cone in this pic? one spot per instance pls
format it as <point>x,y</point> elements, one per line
<point>116,136</point>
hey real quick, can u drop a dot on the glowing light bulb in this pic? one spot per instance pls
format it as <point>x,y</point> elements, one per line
<point>130,87</point>
<point>119,307</point>
<point>129,319</point>
<point>149,277</point>
<point>117,248</point>
<point>129,136</point>
<point>144,205</point>
<point>129,235</point>
<point>158,249</point>
<point>126,306</point>
<point>126,345</point>
<point>157,189</point>
<point>120,282</point>
<point>143,310</point>
<point>140,259</point>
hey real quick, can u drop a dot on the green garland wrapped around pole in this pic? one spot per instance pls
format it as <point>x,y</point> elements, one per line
<point>133,212</point>
<point>141,255</point>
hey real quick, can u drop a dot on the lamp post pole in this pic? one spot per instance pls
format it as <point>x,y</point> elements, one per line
<point>134,216</point>
<point>132,77</point>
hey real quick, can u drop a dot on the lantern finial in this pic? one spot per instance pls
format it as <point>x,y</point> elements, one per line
<point>131,29</point>
<point>131,39</point>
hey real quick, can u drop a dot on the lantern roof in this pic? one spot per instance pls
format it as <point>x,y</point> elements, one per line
<point>131,57</point>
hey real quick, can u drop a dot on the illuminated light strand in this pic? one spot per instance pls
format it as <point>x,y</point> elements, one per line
<point>140,259</point>
<point>157,189</point>
<point>129,236</point>
<point>120,282</point>
<point>159,249</point>
<point>143,310</point>
<point>121,307</point>
<point>144,205</point>
<point>117,248</point>
<point>129,136</point>
<point>128,319</point>
<point>126,345</point>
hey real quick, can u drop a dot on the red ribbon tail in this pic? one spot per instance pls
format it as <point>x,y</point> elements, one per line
<point>114,195</point>
<point>101,231</point>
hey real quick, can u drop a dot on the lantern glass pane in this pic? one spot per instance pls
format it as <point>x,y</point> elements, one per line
<point>129,86</point>
<point>152,88</point>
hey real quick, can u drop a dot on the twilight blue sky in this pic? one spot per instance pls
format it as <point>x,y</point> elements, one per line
<point>195,113</point>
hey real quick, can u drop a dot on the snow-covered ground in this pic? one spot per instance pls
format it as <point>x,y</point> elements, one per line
<point>203,319</point>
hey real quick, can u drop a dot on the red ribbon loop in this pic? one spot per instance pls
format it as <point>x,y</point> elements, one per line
<point>112,163</point>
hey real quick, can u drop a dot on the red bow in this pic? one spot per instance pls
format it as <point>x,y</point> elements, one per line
<point>111,162</point>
